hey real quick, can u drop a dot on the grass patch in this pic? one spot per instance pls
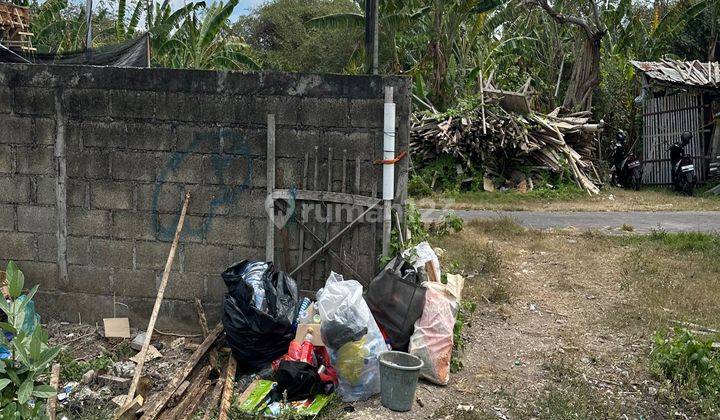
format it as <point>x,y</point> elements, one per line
<point>514,199</point>
<point>704,243</point>
<point>502,227</point>
<point>470,256</point>
<point>73,370</point>
<point>672,276</point>
<point>568,197</point>
<point>573,399</point>
<point>456,413</point>
<point>569,396</point>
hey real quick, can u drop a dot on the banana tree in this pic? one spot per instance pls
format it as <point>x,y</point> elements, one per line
<point>394,17</point>
<point>164,24</point>
<point>123,30</point>
<point>449,25</point>
<point>58,26</point>
<point>203,42</point>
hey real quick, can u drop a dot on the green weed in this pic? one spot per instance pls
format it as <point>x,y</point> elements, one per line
<point>689,370</point>
<point>672,276</point>
<point>450,223</point>
<point>73,370</point>
<point>465,311</point>
<point>704,243</point>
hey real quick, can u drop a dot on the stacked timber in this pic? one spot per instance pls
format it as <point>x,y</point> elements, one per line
<point>501,141</point>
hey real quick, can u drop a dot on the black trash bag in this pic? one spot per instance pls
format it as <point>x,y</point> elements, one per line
<point>396,299</point>
<point>257,336</point>
<point>336,334</point>
<point>299,379</point>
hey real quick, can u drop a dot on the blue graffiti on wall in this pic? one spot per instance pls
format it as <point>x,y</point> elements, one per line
<point>229,189</point>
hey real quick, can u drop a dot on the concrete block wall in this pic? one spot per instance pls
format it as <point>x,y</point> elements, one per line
<point>125,144</point>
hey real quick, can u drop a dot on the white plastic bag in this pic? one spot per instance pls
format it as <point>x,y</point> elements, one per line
<point>420,254</point>
<point>352,337</point>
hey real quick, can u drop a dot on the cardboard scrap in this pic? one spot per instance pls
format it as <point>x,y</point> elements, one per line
<point>152,354</point>
<point>314,329</point>
<point>117,327</point>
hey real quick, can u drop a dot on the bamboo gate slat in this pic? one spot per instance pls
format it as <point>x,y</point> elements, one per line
<point>664,120</point>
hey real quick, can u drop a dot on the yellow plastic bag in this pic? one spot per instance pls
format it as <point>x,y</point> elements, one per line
<point>351,361</point>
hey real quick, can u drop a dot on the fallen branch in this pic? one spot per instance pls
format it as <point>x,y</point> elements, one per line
<point>158,302</point>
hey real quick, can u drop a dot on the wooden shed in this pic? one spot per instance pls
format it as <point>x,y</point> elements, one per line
<point>15,27</point>
<point>676,97</point>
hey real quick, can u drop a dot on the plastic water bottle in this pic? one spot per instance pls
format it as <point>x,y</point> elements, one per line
<point>304,305</point>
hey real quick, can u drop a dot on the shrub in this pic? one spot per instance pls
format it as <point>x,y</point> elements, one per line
<point>20,396</point>
<point>690,367</point>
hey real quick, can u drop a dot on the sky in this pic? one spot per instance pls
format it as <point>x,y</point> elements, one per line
<point>243,8</point>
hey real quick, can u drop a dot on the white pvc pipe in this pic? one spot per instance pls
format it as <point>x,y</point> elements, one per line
<point>389,152</point>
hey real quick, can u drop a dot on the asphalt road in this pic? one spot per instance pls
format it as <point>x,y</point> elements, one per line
<point>642,222</point>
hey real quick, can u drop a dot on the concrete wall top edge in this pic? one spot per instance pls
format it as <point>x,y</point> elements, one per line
<point>264,83</point>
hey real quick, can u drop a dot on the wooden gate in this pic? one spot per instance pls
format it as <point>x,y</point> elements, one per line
<point>664,120</point>
<point>313,243</point>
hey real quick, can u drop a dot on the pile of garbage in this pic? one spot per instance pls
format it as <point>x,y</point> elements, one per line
<point>302,350</point>
<point>289,354</point>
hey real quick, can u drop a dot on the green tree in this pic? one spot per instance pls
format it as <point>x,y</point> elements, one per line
<point>281,39</point>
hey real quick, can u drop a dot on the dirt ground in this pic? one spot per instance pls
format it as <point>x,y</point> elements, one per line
<point>555,333</point>
<point>609,199</point>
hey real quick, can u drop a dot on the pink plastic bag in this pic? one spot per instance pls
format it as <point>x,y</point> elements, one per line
<point>432,340</point>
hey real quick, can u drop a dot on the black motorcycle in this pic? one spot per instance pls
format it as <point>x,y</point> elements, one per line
<point>627,167</point>
<point>683,168</point>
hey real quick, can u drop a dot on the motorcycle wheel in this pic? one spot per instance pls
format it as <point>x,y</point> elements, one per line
<point>689,181</point>
<point>636,179</point>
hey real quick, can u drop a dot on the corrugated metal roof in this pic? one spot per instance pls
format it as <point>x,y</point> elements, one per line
<point>690,73</point>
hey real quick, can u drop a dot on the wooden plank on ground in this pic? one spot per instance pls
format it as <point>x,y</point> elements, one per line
<point>54,382</point>
<point>228,390</point>
<point>198,386</point>
<point>202,320</point>
<point>215,396</point>
<point>160,400</point>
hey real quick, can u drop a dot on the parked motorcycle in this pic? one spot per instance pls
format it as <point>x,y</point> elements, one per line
<point>683,168</point>
<point>627,167</point>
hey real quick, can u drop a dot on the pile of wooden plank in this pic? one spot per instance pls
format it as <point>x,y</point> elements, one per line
<point>500,141</point>
<point>187,389</point>
<point>15,27</point>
